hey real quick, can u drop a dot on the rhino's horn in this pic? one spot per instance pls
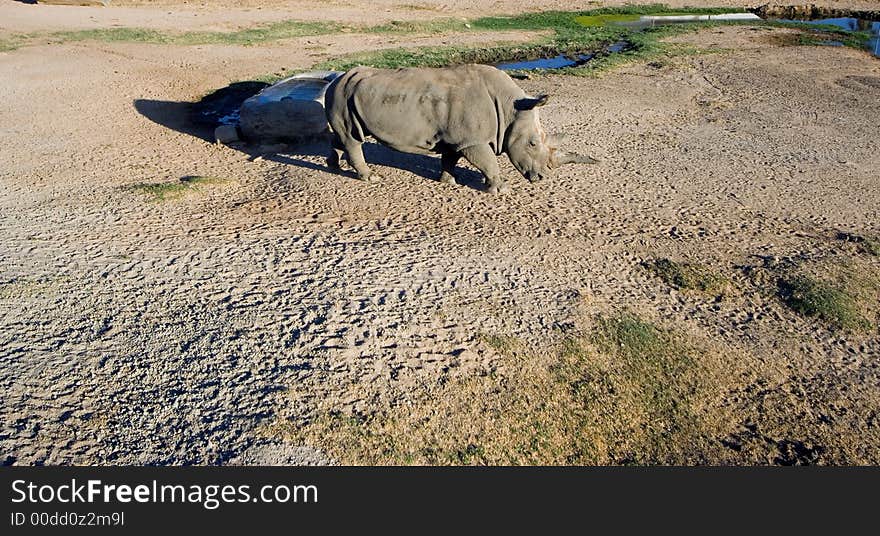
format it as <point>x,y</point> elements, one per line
<point>563,158</point>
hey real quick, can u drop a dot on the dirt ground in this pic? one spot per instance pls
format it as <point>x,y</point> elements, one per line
<point>176,332</point>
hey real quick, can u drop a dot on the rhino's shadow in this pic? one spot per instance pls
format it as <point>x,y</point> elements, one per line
<point>175,116</point>
<point>422,165</point>
<point>190,118</point>
<point>376,154</point>
<point>200,117</point>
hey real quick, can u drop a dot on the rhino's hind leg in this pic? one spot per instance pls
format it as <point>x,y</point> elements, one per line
<point>448,160</point>
<point>355,153</point>
<point>334,161</point>
<point>484,159</point>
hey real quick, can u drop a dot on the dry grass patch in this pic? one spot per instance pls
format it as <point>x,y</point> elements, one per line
<point>629,392</point>
<point>626,391</point>
<point>865,244</point>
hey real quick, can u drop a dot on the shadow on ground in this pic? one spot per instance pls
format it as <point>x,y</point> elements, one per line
<point>200,118</point>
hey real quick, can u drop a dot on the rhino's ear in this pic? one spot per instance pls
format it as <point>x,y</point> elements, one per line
<point>529,103</point>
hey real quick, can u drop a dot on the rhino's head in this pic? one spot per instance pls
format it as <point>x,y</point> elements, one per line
<point>532,151</point>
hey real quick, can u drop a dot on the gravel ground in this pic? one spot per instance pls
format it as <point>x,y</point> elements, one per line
<point>175,332</point>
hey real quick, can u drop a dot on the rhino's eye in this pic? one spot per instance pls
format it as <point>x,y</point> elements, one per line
<point>533,142</point>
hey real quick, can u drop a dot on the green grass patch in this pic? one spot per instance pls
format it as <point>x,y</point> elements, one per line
<point>575,19</point>
<point>833,303</point>
<point>249,36</point>
<point>567,37</point>
<point>439,57</point>
<point>563,23</point>
<point>688,276</point>
<point>646,46</point>
<point>165,191</point>
<point>544,20</point>
<point>604,20</point>
<point>8,44</point>
<point>419,26</point>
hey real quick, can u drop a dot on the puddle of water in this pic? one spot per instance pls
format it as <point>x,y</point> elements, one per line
<point>560,61</point>
<point>556,62</point>
<point>848,24</point>
<point>618,47</point>
<point>851,25</point>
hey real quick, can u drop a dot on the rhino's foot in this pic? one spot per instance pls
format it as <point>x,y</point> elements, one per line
<point>338,165</point>
<point>447,178</point>
<point>498,188</point>
<point>371,176</point>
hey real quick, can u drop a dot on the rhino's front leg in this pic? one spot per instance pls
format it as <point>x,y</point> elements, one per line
<point>484,159</point>
<point>448,160</point>
<point>355,153</point>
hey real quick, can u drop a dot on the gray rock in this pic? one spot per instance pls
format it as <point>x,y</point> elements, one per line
<point>291,110</point>
<point>226,134</point>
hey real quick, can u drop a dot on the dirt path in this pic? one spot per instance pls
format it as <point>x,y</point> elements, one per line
<point>174,332</point>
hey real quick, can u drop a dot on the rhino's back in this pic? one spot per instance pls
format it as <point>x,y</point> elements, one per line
<point>415,110</point>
